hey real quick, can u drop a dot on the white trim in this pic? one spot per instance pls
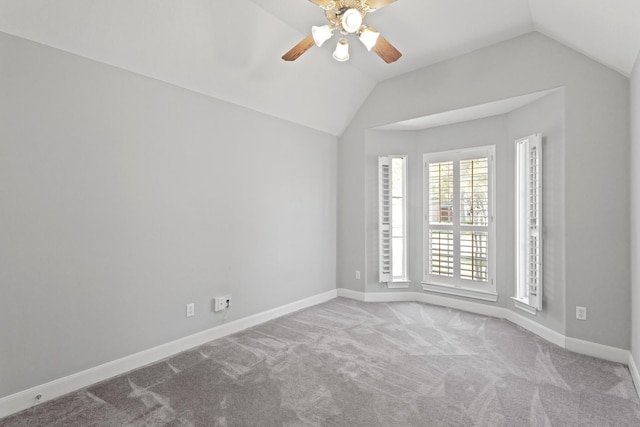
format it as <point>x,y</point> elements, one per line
<point>535,328</point>
<point>27,398</point>
<point>385,246</point>
<point>461,292</point>
<point>464,305</point>
<point>635,375</point>
<point>399,284</point>
<point>612,354</point>
<point>529,238</point>
<point>389,296</point>
<point>598,350</point>
<point>348,293</point>
<point>456,228</point>
<point>524,306</point>
<point>386,257</point>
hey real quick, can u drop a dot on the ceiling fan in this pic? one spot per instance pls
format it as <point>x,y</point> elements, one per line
<point>347,16</point>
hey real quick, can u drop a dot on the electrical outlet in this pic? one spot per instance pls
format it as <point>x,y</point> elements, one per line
<point>581,313</point>
<point>357,274</point>
<point>191,310</point>
<point>222,303</point>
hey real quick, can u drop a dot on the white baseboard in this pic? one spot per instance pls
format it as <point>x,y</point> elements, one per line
<point>536,328</point>
<point>434,299</point>
<point>462,304</point>
<point>600,351</point>
<point>443,301</point>
<point>27,398</point>
<point>348,293</point>
<point>635,375</point>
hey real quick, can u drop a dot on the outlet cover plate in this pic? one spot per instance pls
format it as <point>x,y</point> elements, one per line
<point>222,303</point>
<point>191,310</point>
<point>581,313</point>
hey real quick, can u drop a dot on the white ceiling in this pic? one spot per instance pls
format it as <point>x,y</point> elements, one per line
<point>231,50</point>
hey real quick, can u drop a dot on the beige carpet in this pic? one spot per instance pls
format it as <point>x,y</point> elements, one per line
<point>347,363</point>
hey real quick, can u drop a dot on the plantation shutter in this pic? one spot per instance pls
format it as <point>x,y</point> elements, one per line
<point>459,227</point>
<point>531,218</point>
<point>384,221</point>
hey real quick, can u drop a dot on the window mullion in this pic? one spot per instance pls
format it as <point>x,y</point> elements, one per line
<point>456,219</point>
<point>467,227</point>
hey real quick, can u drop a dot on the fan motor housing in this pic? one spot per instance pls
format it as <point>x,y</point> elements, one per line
<point>334,15</point>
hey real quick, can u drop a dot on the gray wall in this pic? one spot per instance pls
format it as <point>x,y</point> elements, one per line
<point>546,116</point>
<point>123,198</point>
<point>635,212</point>
<point>596,167</point>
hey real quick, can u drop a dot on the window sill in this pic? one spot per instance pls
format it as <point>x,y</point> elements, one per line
<point>460,292</point>
<point>400,284</point>
<point>524,306</point>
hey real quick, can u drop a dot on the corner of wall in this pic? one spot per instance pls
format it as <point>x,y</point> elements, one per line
<point>635,211</point>
<point>635,375</point>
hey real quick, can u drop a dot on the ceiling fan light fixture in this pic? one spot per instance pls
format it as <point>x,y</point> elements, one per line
<point>341,53</point>
<point>368,37</point>
<point>351,20</point>
<point>347,16</point>
<point>321,34</point>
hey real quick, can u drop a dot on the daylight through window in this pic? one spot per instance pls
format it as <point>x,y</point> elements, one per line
<point>459,229</point>
<point>529,223</point>
<point>392,172</point>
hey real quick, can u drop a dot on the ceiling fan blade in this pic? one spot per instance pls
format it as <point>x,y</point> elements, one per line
<point>379,4</point>
<point>325,4</point>
<point>386,50</point>
<point>299,49</point>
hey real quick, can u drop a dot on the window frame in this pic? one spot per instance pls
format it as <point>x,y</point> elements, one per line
<point>457,285</point>
<point>529,285</point>
<point>385,243</point>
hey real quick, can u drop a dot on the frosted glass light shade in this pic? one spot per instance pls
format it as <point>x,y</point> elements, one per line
<point>369,38</point>
<point>342,51</point>
<point>351,20</point>
<point>321,34</point>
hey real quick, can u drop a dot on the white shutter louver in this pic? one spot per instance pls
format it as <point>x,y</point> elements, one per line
<point>459,227</point>
<point>534,221</point>
<point>529,221</point>
<point>384,221</point>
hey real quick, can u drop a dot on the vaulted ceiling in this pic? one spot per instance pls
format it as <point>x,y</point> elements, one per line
<point>231,50</point>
